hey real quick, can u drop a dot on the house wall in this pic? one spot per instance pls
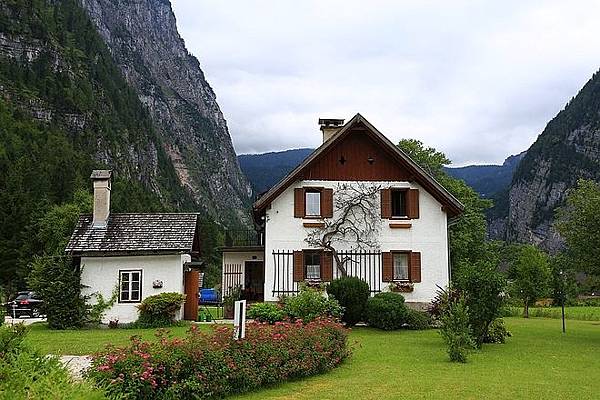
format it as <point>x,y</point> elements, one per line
<point>101,275</point>
<point>233,267</point>
<point>428,235</point>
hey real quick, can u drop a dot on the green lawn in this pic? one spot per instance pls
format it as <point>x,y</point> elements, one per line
<point>537,362</point>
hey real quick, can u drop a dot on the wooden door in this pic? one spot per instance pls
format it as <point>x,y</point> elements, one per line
<point>190,308</point>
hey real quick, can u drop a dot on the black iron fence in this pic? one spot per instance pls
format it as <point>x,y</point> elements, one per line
<point>283,273</point>
<point>366,265</point>
<point>243,238</point>
<point>232,276</point>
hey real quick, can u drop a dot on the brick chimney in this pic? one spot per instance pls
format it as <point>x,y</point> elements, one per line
<point>101,181</point>
<point>329,127</point>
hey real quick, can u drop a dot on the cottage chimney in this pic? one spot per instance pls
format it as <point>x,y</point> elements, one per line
<point>329,127</point>
<point>101,180</point>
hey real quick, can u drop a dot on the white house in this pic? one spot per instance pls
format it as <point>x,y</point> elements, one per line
<point>412,214</point>
<point>138,255</point>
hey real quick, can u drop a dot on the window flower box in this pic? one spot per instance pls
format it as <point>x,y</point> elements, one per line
<point>402,287</point>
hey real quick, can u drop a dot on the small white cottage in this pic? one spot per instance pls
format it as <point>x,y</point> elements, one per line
<point>138,255</point>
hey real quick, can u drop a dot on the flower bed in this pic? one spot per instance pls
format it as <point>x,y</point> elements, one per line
<point>205,365</point>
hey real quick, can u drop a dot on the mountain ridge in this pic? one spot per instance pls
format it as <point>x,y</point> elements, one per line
<point>263,170</point>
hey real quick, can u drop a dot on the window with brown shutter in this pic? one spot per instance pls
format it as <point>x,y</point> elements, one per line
<point>399,204</point>
<point>326,266</point>
<point>298,266</point>
<point>415,266</point>
<point>413,203</point>
<point>386,203</point>
<point>327,203</point>
<point>299,203</point>
<point>388,267</point>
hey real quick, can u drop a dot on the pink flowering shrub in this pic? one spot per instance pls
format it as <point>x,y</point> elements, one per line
<point>203,365</point>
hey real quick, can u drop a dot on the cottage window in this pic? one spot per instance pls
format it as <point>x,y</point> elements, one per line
<point>312,265</point>
<point>399,208</point>
<point>313,203</point>
<point>130,286</point>
<point>400,266</point>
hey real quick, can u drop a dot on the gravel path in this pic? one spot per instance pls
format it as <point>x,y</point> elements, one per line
<point>76,365</point>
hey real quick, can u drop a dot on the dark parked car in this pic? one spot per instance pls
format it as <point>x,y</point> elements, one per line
<point>26,303</point>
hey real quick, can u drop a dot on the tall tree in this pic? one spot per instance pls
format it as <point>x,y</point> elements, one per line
<point>531,276</point>
<point>578,222</point>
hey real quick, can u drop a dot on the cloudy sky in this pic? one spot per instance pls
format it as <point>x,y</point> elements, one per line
<point>478,80</point>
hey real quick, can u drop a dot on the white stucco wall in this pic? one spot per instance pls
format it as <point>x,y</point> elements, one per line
<point>428,235</point>
<point>101,275</point>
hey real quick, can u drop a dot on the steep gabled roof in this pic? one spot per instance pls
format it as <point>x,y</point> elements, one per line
<point>451,204</point>
<point>135,234</point>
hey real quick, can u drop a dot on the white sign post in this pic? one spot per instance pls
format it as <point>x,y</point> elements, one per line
<point>239,320</point>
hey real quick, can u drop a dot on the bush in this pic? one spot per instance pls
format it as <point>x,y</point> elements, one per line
<point>266,312</point>
<point>386,311</point>
<point>309,304</point>
<point>417,320</point>
<point>26,374</point>
<point>213,364</point>
<point>352,293</point>
<point>441,302</point>
<point>482,286</point>
<point>497,332</point>
<point>159,310</point>
<point>58,282</point>
<point>456,331</point>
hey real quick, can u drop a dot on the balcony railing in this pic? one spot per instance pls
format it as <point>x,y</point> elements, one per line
<point>244,238</point>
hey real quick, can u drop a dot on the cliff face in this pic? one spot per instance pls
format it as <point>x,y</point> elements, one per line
<point>568,149</point>
<point>143,40</point>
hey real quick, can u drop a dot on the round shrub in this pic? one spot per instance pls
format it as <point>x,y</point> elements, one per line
<point>386,311</point>
<point>352,293</point>
<point>309,304</point>
<point>496,332</point>
<point>266,312</point>
<point>417,320</point>
<point>159,310</point>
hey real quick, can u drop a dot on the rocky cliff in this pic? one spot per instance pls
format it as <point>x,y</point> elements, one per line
<point>568,149</point>
<point>143,40</point>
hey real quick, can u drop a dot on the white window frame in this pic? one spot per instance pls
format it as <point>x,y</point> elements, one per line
<point>312,208</point>
<point>129,290</point>
<point>397,269</point>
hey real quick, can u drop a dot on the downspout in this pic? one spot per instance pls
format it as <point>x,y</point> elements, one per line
<point>451,221</point>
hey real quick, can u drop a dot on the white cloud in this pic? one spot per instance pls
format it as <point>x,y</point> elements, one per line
<point>478,80</point>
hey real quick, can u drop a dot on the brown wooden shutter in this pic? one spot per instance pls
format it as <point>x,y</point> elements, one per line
<point>415,266</point>
<point>388,267</point>
<point>326,266</point>
<point>327,203</point>
<point>413,203</point>
<point>386,203</point>
<point>299,203</point>
<point>298,266</point>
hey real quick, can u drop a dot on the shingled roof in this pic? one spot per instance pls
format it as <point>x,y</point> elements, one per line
<point>135,233</point>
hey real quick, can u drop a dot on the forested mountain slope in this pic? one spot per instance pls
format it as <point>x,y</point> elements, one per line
<point>66,108</point>
<point>568,149</point>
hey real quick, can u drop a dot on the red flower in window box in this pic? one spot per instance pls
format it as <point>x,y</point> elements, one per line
<point>402,287</point>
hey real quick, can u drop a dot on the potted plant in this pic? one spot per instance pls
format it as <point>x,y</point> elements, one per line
<point>234,294</point>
